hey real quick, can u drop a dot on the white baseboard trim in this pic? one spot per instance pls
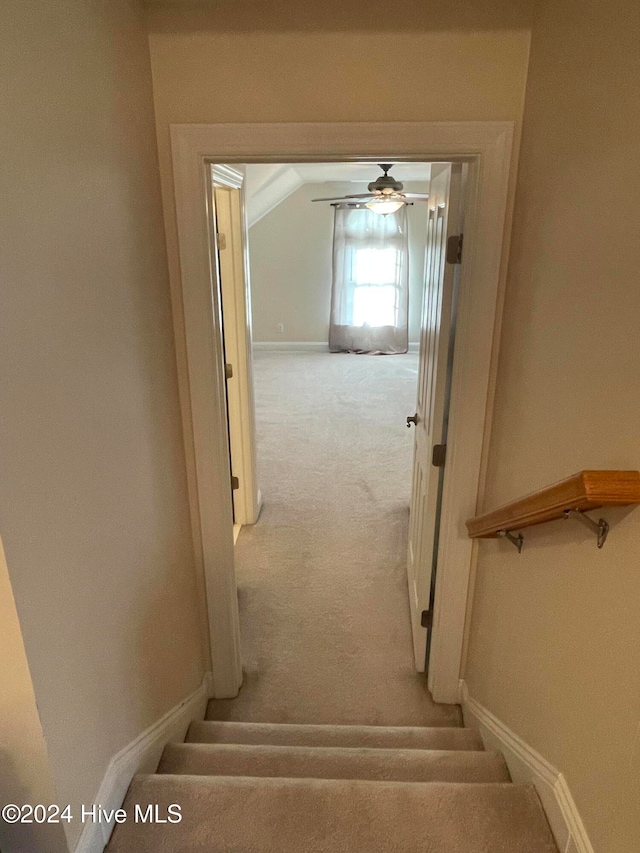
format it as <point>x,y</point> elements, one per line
<point>142,756</point>
<point>291,346</point>
<point>529,767</point>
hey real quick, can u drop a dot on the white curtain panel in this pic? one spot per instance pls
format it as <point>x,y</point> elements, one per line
<point>370,292</point>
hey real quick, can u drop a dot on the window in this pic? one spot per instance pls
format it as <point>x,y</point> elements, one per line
<point>376,266</point>
<point>369,300</point>
<point>375,273</point>
<point>375,306</point>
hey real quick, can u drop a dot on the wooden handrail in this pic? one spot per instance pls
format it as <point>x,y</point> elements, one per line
<point>584,491</point>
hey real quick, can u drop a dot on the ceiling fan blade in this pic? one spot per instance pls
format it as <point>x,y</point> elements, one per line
<point>346,197</point>
<point>419,196</point>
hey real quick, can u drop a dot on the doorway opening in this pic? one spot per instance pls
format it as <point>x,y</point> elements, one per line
<point>348,326</point>
<point>486,149</point>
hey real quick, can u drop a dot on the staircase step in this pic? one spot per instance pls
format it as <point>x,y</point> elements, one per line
<point>313,762</point>
<point>376,737</point>
<point>268,815</point>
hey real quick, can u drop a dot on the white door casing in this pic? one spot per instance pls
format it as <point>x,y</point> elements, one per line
<point>486,147</point>
<point>443,221</point>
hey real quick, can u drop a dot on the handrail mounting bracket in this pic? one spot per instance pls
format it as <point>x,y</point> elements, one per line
<point>600,527</point>
<point>516,541</point>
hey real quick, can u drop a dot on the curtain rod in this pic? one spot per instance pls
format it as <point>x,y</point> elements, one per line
<point>359,204</point>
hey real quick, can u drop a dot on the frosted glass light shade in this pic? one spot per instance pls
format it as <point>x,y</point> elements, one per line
<point>384,207</point>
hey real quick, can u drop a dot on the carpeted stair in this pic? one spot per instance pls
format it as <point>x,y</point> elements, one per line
<point>268,788</point>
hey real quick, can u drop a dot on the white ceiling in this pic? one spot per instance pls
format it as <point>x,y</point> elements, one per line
<point>316,173</point>
<point>269,184</point>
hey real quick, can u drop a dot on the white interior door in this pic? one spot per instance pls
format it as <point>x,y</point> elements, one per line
<point>436,337</point>
<point>228,219</point>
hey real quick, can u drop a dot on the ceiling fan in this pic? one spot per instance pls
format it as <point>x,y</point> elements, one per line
<point>385,194</point>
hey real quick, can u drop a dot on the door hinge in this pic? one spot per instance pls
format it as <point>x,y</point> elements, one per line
<point>222,240</point>
<point>235,483</point>
<point>438,455</point>
<point>454,249</point>
<point>228,371</point>
<point>426,618</point>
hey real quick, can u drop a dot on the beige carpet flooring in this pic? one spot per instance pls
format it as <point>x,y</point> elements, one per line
<point>284,788</point>
<point>265,815</point>
<point>326,640</point>
<point>322,762</point>
<point>321,576</point>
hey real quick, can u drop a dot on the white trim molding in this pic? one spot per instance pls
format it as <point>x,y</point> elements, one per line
<point>487,149</point>
<point>141,756</point>
<point>527,766</point>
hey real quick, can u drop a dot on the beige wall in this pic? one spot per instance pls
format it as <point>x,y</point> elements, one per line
<point>93,501</point>
<point>25,774</point>
<point>217,65</point>
<point>555,637</point>
<point>291,265</point>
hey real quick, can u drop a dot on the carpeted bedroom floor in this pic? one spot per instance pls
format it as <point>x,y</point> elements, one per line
<point>322,584</point>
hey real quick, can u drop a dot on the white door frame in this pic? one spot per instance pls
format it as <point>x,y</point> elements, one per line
<point>487,147</point>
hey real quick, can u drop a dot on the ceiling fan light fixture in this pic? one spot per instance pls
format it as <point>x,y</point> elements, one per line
<point>384,205</point>
<point>385,195</point>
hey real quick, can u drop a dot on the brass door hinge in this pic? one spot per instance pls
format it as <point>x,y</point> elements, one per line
<point>235,483</point>
<point>438,455</point>
<point>222,241</point>
<point>228,371</point>
<point>426,618</point>
<point>454,249</point>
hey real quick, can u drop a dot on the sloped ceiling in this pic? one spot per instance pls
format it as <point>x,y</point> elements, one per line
<point>269,184</point>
